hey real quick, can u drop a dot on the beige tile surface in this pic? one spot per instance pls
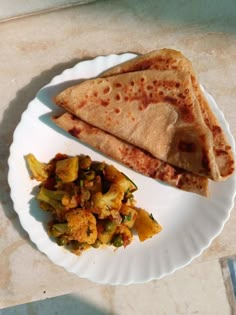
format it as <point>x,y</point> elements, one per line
<point>35,49</point>
<point>18,8</point>
<point>196,290</point>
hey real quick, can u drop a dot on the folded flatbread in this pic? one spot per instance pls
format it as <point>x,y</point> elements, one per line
<point>154,110</point>
<point>131,156</point>
<point>169,59</point>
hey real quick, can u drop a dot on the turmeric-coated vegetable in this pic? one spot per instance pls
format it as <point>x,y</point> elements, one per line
<point>67,169</point>
<point>39,171</point>
<point>91,203</point>
<point>145,225</point>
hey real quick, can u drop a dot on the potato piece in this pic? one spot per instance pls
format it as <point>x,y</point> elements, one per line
<point>67,169</point>
<point>145,225</point>
<point>115,176</point>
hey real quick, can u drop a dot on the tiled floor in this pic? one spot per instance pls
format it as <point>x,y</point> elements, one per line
<point>198,289</point>
<point>35,49</point>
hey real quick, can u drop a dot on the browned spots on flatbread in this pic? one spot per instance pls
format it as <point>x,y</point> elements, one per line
<point>205,161</point>
<point>75,132</point>
<point>118,97</point>
<point>170,99</point>
<point>216,130</point>
<point>219,152</point>
<point>117,110</point>
<point>167,173</point>
<point>186,114</point>
<point>186,180</point>
<point>144,100</point>
<point>144,65</point>
<point>143,95</point>
<point>118,85</point>
<point>72,117</point>
<point>187,146</point>
<point>144,163</point>
<point>82,103</point>
<point>231,166</point>
<point>130,116</point>
<point>104,102</point>
<point>176,92</point>
<point>106,90</point>
<point>136,159</point>
<point>181,95</point>
<point>133,157</point>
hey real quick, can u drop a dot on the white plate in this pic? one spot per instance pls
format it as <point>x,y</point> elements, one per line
<point>190,222</point>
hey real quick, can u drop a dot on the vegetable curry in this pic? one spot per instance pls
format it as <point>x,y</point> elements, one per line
<point>92,203</point>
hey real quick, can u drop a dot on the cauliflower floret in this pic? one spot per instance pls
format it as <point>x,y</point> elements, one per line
<point>82,226</point>
<point>103,204</point>
<point>38,169</point>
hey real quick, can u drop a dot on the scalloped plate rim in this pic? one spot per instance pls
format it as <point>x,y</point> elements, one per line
<point>13,193</point>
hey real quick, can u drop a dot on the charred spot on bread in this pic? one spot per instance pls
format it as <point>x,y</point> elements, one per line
<point>187,146</point>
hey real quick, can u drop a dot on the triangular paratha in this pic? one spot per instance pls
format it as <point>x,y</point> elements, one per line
<point>152,109</point>
<point>131,156</point>
<point>170,59</point>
